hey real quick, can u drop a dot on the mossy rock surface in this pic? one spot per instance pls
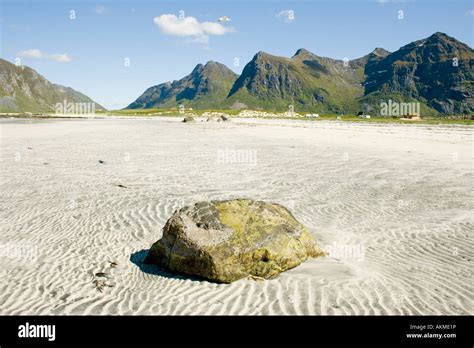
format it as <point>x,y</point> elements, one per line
<point>224,241</point>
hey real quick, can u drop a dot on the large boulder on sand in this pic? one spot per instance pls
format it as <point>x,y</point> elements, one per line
<point>224,241</point>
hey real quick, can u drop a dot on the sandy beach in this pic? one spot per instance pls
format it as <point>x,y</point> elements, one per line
<point>393,204</point>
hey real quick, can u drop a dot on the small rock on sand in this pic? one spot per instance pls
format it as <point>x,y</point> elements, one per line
<point>188,119</point>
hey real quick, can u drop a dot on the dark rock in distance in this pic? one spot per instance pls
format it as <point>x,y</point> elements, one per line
<point>189,119</point>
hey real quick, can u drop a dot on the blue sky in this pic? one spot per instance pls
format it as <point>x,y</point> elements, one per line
<point>89,52</point>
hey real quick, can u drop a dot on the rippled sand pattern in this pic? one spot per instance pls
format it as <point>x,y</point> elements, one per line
<point>394,202</point>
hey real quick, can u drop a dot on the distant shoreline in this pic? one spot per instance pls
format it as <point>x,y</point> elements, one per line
<point>201,114</point>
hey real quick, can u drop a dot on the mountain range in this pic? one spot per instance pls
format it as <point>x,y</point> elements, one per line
<point>437,72</point>
<point>23,89</point>
<point>207,86</point>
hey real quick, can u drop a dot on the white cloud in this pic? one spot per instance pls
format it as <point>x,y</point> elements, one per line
<point>33,53</point>
<point>470,13</point>
<point>61,58</point>
<point>37,54</point>
<point>213,28</point>
<point>189,27</point>
<point>287,15</point>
